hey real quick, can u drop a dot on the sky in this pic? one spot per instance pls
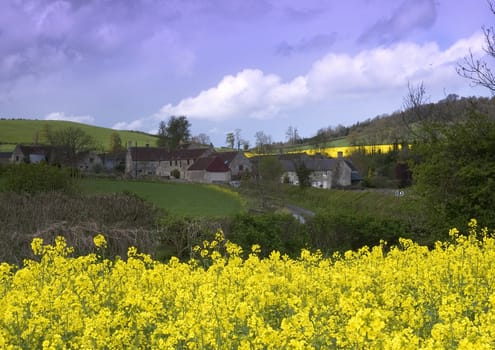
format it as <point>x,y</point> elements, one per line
<point>253,65</point>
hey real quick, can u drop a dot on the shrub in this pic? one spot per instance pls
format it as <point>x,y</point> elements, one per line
<point>35,178</point>
<point>281,232</point>
<point>175,173</point>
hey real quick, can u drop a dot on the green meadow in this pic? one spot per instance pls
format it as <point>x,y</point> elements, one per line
<point>178,198</point>
<point>27,131</point>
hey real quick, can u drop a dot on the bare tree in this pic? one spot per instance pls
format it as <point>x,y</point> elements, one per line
<point>263,141</point>
<point>202,139</point>
<point>238,139</point>
<point>476,69</point>
<point>416,110</point>
<point>230,139</point>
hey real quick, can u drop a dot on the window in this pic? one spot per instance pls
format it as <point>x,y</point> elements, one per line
<point>241,167</point>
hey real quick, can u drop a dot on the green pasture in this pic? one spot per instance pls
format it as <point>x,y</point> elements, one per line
<point>24,131</point>
<point>377,203</point>
<point>177,198</point>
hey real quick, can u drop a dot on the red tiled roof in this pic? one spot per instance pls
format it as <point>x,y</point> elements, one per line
<point>227,156</point>
<point>212,164</point>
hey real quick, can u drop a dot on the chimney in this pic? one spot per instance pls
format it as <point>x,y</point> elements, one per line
<point>340,154</point>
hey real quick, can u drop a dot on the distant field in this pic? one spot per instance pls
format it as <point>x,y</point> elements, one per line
<point>13,132</point>
<point>177,198</point>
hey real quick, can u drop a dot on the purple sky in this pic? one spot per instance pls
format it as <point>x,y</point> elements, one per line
<point>227,64</point>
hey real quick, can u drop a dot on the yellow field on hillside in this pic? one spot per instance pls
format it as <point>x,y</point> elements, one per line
<point>333,152</point>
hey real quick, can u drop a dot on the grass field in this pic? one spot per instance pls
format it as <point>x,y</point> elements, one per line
<point>13,132</point>
<point>177,198</point>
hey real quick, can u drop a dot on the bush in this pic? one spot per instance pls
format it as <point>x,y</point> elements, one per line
<point>35,178</point>
<point>175,173</point>
<point>281,232</point>
<point>338,232</point>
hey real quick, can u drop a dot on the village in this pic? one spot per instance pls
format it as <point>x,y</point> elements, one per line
<point>191,163</point>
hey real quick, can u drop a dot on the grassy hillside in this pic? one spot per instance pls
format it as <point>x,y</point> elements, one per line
<point>13,132</point>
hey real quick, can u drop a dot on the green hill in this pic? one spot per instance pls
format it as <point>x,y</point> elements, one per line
<point>28,131</point>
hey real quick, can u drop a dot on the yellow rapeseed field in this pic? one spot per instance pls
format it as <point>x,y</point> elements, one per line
<point>346,151</point>
<point>405,297</point>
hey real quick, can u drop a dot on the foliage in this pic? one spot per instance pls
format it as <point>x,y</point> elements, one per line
<point>303,175</point>
<point>175,173</point>
<point>40,177</point>
<point>332,232</point>
<point>281,232</point>
<point>408,298</point>
<point>270,169</point>
<point>181,233</point>
<point>173,132</point>
<point>116,143</point>
<point>75,139</point>
<point>455,175</point>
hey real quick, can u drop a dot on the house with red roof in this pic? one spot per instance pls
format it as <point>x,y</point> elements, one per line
<point>212,169</point>
<point>237,162</point>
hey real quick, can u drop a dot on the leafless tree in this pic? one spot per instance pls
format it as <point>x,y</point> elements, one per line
<point>476,69</point>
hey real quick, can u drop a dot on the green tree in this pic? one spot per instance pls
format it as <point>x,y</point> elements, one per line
<point>455,174</point>
<point>115,143</point>
<point>303,175</point>
<point>72,140</point>
<point>173,132</point>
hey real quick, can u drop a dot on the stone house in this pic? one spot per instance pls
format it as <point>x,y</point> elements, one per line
<point>33,154</point>
<point>88,161</point>
<point>212,169</point>
<point>325,172</point>
<point>113,161</point>
<point>150,161</point>
<point>237,163</point>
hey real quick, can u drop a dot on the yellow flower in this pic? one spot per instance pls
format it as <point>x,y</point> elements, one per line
<point>100,241</point>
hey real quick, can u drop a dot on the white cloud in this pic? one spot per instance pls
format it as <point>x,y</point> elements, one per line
<point>387,68</point>
<point>252,93</point>
<point>73,118</point>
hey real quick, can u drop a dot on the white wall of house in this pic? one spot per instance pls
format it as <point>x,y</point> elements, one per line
<point>196,175</point>
<point>321,179</point>
<point>217,177</point>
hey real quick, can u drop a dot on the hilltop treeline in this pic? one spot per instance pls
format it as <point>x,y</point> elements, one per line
<point>404,125</point>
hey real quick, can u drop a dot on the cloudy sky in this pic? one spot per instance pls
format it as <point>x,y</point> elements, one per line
<point>227,64</point>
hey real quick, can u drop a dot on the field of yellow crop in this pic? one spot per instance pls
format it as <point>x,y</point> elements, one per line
<point>346,151</point>
<point>405,297</point>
